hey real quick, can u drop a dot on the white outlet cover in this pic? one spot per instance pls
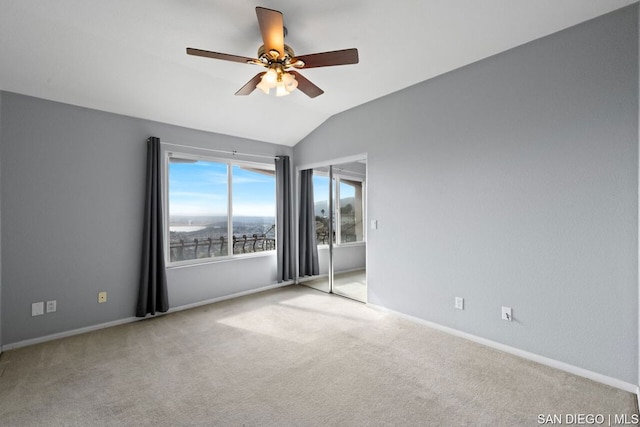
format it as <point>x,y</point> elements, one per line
<point>459,303</point>
<point>37,308</point>
<point>507,313</point>
<point>51,306</point>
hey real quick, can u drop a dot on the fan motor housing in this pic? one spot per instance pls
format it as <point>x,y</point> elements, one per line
<point>288,53</point>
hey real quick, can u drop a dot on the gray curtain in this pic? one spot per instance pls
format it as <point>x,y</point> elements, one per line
<point>284,223</point>
<point>152,294</point>
<point>308,255</point>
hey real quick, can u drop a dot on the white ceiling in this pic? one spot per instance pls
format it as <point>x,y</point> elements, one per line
<point>128,57</point>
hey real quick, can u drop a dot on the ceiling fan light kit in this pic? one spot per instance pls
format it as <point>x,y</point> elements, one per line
<point>276,77</point>
<point>280,60</point>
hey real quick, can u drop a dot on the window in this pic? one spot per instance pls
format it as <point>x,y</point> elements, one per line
<point>254,209</point>
<point>348,212</point>
<point>217,208</point>
<point>321,207</point>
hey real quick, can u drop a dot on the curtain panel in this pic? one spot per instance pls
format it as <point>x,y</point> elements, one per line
<point>152,292</point>
<point>308,250</point>
<point>284,221</point>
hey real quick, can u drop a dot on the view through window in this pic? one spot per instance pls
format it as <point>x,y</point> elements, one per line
<point>348,212</point>
<point>350,218</point>
<point>219,209</point>
<point>321,208</point>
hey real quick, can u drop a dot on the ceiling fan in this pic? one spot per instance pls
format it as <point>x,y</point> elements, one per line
<point>280,60</point>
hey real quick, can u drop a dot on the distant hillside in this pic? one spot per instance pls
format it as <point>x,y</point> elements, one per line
<point>219,220</point>
<point>324,204</point>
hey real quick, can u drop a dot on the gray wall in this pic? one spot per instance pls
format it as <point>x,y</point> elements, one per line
<point>0,229</point>
<point>349,258</point>
<point>72,181</point>
<point>512,181</point>
<point>345,258</point>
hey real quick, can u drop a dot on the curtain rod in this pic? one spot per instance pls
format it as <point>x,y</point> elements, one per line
<point>234,152</point>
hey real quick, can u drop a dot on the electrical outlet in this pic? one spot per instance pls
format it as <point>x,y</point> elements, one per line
<point>51,306</point>
<point>459,304</point>
<point>507,313</point>
<point>102,297</point>
<point>37,309</point>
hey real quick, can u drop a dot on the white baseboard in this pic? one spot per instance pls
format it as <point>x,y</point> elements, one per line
<point>91,328</point>
<point>65,334</point>
<point>301,280</point>
<point>604,379</point>
<point>226,297</point>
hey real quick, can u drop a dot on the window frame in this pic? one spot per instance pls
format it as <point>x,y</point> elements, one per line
<point>230,163</point>
<point>337,177</point>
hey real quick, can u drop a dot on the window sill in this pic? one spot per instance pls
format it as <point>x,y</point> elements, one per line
<point>209,261</point>
<point>342,245</point>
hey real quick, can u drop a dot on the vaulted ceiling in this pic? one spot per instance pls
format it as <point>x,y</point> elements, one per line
<point>128,57</point>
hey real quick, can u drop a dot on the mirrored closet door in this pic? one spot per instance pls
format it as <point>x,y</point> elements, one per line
<point>332,232</point>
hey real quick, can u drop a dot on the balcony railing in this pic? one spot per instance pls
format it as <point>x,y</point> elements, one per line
<point>206,248</point>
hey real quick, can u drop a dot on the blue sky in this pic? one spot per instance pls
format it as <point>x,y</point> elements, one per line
<point>321,189</point>
<point>200,189</point>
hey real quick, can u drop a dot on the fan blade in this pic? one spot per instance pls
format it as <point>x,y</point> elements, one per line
<point>327,59</point>
<point>251,85</point>
<point>306,86</point>
<point>216,55</point>
<point>272,29</point>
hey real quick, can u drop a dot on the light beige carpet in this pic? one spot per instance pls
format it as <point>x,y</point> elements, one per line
<point>289,357</point>
<point>351,284</point>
